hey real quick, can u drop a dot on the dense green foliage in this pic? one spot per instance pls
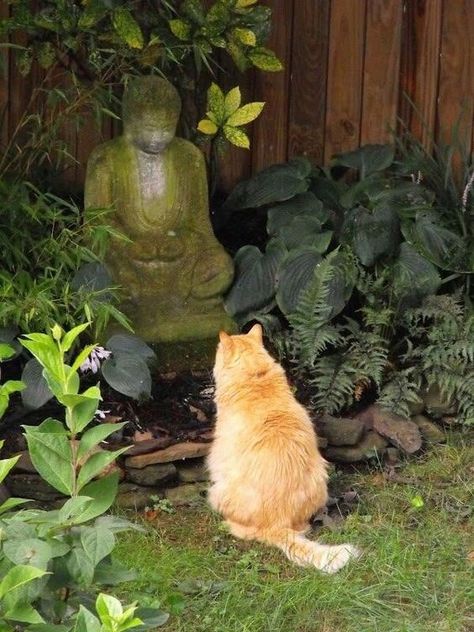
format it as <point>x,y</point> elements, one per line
<point>52,562</point>
<point>348,262</point>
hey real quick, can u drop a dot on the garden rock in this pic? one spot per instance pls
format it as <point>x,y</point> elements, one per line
<point>131,496</point>
<point>149,445</point>
<point>371,445</point>
<point>430,432</point>
<point>341,431</point>
<point>4,493</point>
<point>152,474</point>
<point>392,456</point>
<point>189,494</point>
<point>436,403</point>
<point>403,433</point>
<point>31,486</point>
<point>24,463</point>
<point>193,473</point>
<point>173,453</point>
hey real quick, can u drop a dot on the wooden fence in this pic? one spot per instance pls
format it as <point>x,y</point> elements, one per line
<point>349,65</point>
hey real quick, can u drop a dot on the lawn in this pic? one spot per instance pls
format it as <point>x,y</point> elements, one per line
<point>415,575</point>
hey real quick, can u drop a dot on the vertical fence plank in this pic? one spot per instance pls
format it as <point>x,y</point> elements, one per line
<point>420,66</point>
<point>4,82</point>
<point>308,79</point>
<point>344,89</point>
<point>456,76</point>
<point>381,70</point>
<point>270,132</point>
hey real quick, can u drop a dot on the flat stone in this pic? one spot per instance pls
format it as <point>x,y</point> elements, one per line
<point>430,431</point>
<point>322,442</point>
<point>193,472</point>
<point>149,445</point>
<point>436,403</point>
<point>401,432</point>
<point>152,474</point>
<point>370,445</point>
<point>131,496</point>
<point>173,453</point>
<point>341,431</point>
<point>189,494</point>
<point>31,486</point>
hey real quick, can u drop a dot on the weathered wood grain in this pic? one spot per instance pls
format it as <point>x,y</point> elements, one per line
<point>309,59</point>
<point>381,70</point>
<point>344,87</point>
<point>270,130</point>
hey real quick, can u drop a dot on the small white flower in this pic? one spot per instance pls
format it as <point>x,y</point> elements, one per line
<point>101,413</point>
<point>93,362</point>
<point>466,191</point>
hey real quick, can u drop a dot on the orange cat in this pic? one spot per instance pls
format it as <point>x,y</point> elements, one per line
<point>267,475</point>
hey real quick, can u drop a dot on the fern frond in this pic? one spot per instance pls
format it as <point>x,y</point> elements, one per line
<point>333,379</point>
<point>401,390</point>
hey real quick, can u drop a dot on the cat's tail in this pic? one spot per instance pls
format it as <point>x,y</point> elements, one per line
<point>304,552</point>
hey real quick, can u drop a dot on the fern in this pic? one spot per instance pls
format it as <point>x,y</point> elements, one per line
<point>333,379</point>
<point>400,390</point>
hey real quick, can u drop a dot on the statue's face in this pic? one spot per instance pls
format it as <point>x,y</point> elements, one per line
<point>152,130</point>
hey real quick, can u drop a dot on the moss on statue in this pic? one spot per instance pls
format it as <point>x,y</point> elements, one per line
<point>172,269</point>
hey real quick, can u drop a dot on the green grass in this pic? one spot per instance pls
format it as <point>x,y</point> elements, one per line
<point>415,575</point>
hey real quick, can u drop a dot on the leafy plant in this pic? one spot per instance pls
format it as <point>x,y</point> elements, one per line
<point>225,116</point>
<point>60,555</point>
<point>11,386</point>
<point>50,261</point>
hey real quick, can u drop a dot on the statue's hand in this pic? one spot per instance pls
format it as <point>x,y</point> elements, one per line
<point>212,274</point>
<point>170,247</point>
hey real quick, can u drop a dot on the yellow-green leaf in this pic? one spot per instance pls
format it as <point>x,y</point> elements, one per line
<point>237,53</point>
<point>232,101</point>
<point>216,101</point>
<point>245,114</point>
<point>265,59</point>
<point>246,36</point>
<point>207,127</point>
<point>180,29</point>
<point>127,28</point>
<point>245,3</point>
<point>236,136</point>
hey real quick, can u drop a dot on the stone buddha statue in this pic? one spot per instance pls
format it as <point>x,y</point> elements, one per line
<point>172,269</point>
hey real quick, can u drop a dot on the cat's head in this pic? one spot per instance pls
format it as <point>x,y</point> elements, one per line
<point>244,354</point>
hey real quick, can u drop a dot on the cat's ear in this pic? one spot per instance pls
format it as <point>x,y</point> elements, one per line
<point>225,340</point>
<point>256,333</point>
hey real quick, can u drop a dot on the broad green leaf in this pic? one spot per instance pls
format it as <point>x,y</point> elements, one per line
<point>83,407</point>
<point>127,28</point>
<point>303,231</point>
<point>86,621</point>
<point>180,29</point>
<point>6,351</point>
<point>216,102</point>
<point>152,617</point>
<point>37,391</point>
<point>414,276</point>
<point>372,234</point>
<point>128,374</point>
<point>108,606</point>
<point>96,435</point>
<point>95,464</point>
<point>194,10</point>
<point>24,613</point>
<point>253,288</point>
<point>18,576</point>
<point>70,336</point>
<point>236,136</point>
<point>51,454</point>
<point>29,552</point>
<point>109,574</point>
<point>304,204</point>
<point>245,114</point>
<point>367,159</point>
<point>80,567</point>
<point>102,492</point>
<point>207,127</point>
<point>437,243</point>
<point>72,508</point>
<point>245,36</point>
<point>273,184</point>
<point>265,59</point>
<point>6,465</point>
<point>232,101</point>
<point>245,3</point>
<point>237,53</point>
<point>294,274</point>
<point>11,503</point>
<point>98,542</point>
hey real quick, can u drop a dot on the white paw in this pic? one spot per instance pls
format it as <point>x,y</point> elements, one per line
<point>337,556</point>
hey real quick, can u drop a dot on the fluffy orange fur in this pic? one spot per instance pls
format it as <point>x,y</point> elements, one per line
<point>267,475</point>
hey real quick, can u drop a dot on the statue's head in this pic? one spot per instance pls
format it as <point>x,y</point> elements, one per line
<point>150,112</point>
